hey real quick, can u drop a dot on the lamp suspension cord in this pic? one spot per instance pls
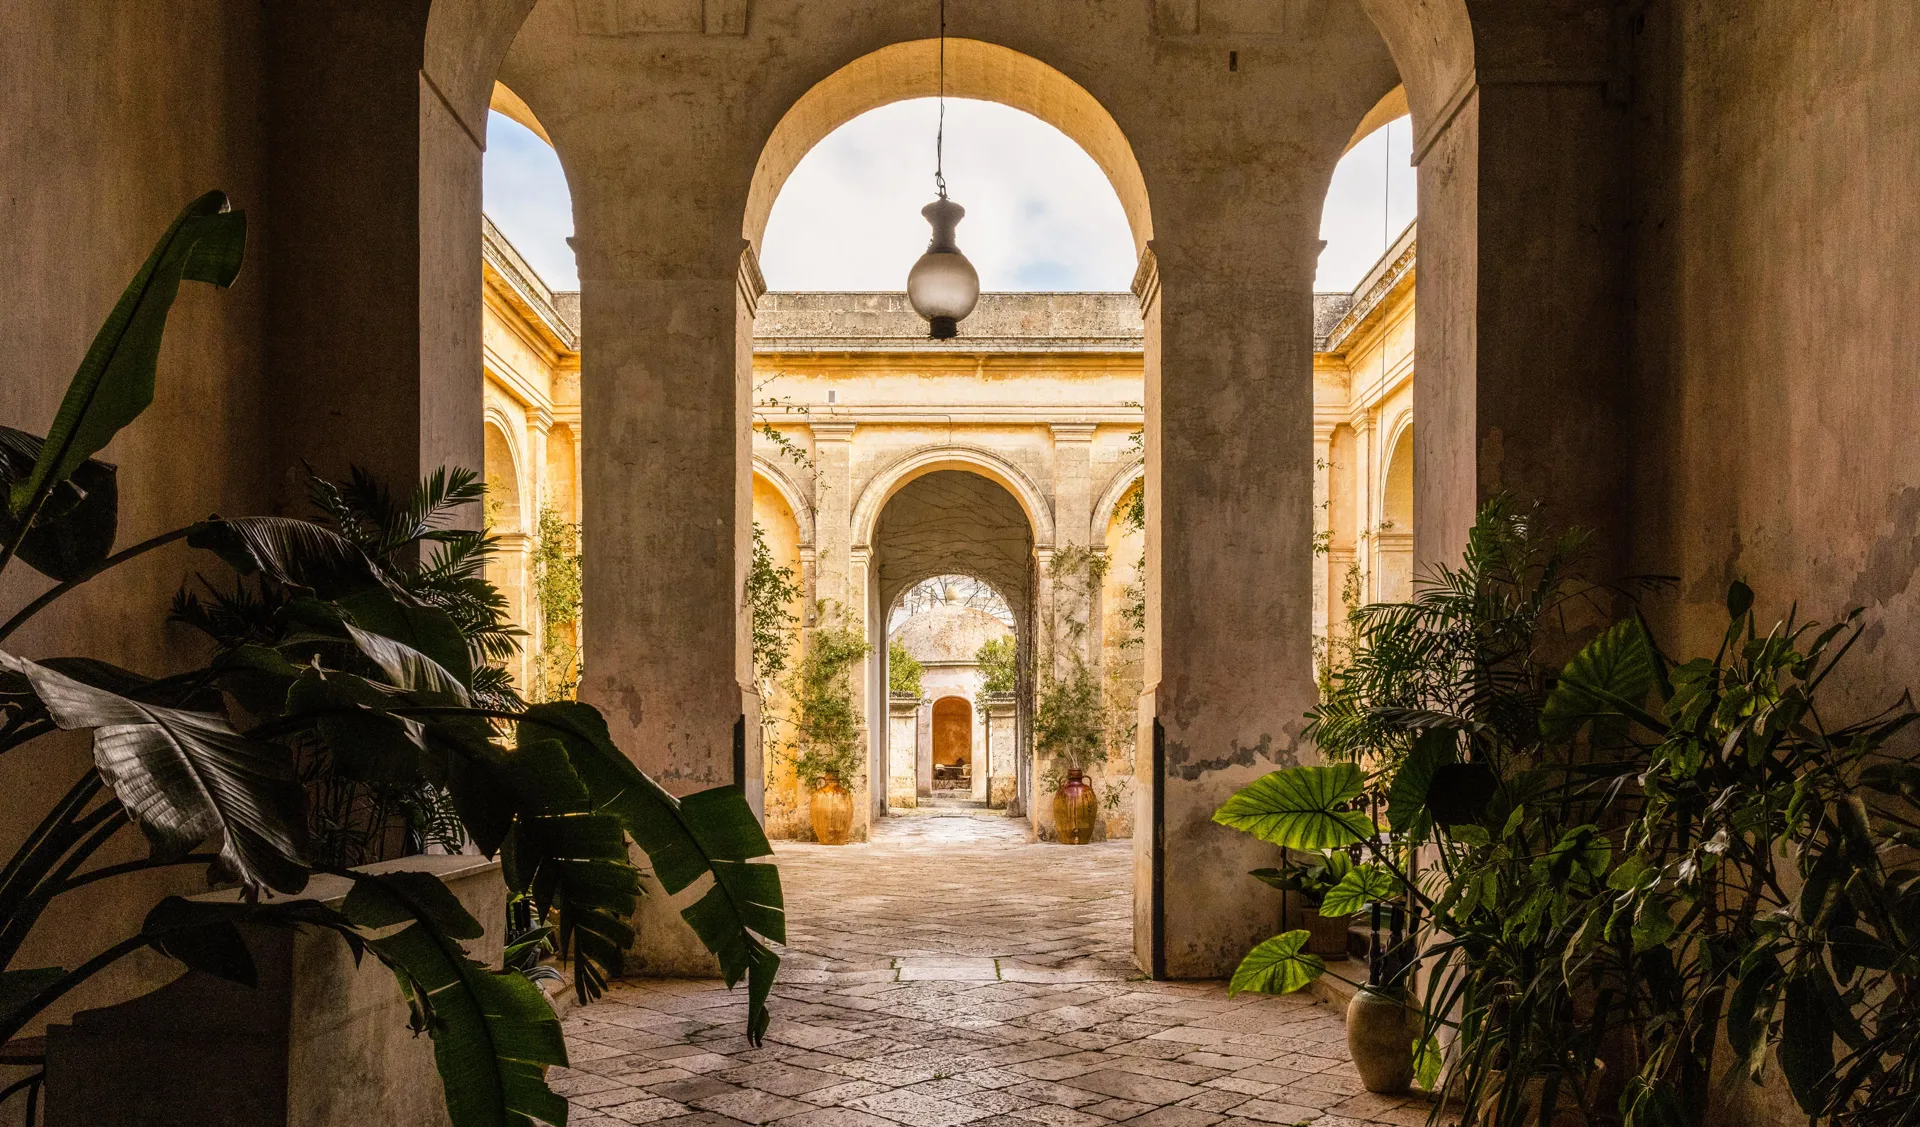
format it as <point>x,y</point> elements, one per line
<point>940,133</point>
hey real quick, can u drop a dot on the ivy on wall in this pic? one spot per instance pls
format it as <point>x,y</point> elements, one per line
<point>558,587</point>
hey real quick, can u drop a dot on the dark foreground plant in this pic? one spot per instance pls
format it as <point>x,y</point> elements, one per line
<point>330,640</point>
<point>1624,860</point>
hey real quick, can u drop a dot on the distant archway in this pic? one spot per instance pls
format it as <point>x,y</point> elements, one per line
<point>952,743</point>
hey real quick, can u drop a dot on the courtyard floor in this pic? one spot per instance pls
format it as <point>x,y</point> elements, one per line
<point>949,972</point>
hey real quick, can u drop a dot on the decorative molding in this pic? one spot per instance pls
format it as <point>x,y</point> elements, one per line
<point>1072,432</point>
<point>1394,268</point>
<point>1190,19</point>
<point>979,414</point>
<point>1146,280</point>
<point>660,17</point>
<point>524,287</point>
<point>751,282</point>
<point>832,432</point>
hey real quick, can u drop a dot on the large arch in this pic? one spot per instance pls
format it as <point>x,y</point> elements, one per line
<point>1123,480</point>
<point>974,69</point>
<point>985,463</point>
<point>783,484</point>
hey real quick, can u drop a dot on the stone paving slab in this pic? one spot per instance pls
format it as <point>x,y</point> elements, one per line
<point>949,973</point>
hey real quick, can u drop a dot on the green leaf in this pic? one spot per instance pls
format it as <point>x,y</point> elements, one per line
<point>296,553</point>
<point>78,520</point>
<point>1581,849</point>
<point>713,831</point>
<point>418,647</point>
<point>1652,924</point>
<point>1407,796</point>
<point>367,743</point>
<point>185,777</point>
<point>1750,1013</point>
<point>494,1036</point>
<point>1364,885</point>
<point>1428,1057</point>
<point>1299,808</point>
<point>115,382</point>
<point>1278,966</point>
<point>1608,679</point>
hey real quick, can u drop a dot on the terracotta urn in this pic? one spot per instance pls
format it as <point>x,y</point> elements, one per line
<point>1327,935</point>
<point>1074,809</point>
<point>832,810</point>
<point>1380,1033</point>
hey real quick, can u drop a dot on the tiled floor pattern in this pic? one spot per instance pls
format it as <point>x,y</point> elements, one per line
<point>949,972</point>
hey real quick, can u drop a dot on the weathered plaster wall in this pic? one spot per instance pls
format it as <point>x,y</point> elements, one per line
<point>1775,331</point>
<point>115,116</point>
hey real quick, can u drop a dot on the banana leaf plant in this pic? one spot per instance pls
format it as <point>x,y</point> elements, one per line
<point>328,639</point>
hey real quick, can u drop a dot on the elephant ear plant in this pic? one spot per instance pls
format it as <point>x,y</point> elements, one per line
<point>1485,844</point>
<point>1617,858</point>
<point>333,640</point>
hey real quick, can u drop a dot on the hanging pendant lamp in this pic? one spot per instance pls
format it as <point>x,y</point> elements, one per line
<point>943,286</point>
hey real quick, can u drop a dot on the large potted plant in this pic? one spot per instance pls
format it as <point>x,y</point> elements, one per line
<point>1313,876</point>
<point>327,647</point>
<point>1070,729</point>
<point>827,741</point>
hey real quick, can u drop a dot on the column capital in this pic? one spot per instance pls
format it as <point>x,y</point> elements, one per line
<point>540,418</point>
<point>831,432</point>
<point>1072,432</point>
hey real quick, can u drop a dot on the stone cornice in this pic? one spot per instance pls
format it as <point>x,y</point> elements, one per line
<point>525,290</point>
<point>1394,270</point>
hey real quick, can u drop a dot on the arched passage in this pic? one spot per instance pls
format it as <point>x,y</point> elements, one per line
<point>1393,545</point>
<point>953,522</point>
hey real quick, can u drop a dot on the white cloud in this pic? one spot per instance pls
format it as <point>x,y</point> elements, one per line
<point>1040,214</point>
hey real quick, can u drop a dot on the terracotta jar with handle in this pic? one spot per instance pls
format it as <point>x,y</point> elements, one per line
<point>1074,808</point>
<point>832,811</point>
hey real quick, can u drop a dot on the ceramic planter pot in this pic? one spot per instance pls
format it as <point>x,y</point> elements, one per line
<point>1074,809</point>
<point>1380,1033</point>
<point>832,810</point>
<point>1327,935</point>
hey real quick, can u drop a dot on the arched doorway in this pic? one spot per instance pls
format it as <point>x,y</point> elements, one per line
<point>953,745</point>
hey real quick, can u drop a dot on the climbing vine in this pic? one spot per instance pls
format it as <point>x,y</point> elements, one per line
<point>827,743</point>
<point>559,588</point>
<point>903,670</point>
<point>999,671</point>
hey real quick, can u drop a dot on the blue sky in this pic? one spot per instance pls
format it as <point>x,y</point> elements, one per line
<point>1040,214</point>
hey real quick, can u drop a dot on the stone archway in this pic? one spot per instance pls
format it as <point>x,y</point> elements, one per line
<point>665,247</point>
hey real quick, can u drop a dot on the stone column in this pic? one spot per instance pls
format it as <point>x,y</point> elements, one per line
<point>1366,486</point>
<point>1050,661</point>
<point>1323,574</point>
<point>1525,196</point>
<point>1229,557</point>
<point>667,503</point>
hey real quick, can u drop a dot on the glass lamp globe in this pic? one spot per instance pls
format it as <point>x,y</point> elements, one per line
<point>943,286</point>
